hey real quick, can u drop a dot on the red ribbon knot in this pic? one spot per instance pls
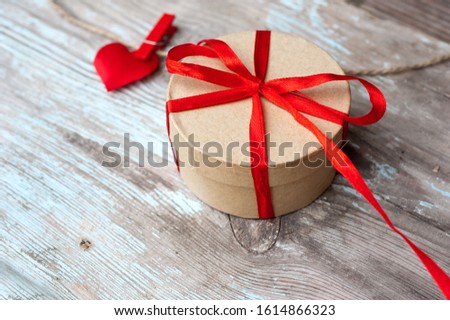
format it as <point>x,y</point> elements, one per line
<point>284,93</point>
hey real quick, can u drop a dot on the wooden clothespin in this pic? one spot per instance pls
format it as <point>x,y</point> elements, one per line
<point>158,37</point>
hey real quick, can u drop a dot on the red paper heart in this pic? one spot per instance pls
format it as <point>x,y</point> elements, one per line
<point>118,67</point>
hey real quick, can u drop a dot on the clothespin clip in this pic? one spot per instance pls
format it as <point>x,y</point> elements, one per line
<point>158,37</point>
<point>117,66</point>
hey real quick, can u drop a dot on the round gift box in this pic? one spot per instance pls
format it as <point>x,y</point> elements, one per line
<point>212,142</point>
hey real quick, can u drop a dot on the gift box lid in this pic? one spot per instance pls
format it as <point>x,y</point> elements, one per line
<point>228,124</point>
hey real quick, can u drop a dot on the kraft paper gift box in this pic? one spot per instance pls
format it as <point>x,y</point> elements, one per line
<point>223,180</point>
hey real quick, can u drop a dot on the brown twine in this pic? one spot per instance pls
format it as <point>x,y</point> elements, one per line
<point>363,72</point>
<point>94,29</point>
<point>399,69</point>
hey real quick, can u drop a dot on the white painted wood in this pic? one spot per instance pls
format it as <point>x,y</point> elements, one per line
<point>151,238</point>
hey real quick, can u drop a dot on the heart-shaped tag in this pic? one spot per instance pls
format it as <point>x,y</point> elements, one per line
<point>117,66</point>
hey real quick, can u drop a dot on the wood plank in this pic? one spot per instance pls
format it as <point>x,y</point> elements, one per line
<point>151,238</point>
<point>429,16</point>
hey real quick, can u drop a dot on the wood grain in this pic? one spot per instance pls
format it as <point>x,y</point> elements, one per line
<point>430,16</point>
<point>150,237</point>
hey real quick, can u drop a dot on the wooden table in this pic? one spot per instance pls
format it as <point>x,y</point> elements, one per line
<point>71,228</point>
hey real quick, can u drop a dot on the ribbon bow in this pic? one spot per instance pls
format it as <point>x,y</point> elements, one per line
<point>283,92</point>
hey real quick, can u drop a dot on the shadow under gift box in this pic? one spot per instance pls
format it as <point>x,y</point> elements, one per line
<point>228,184</point>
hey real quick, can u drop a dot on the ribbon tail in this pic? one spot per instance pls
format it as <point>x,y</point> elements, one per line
<point>349,171</point>
<point>344,165</point>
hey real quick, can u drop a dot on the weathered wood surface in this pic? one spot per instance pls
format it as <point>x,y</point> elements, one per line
<point>430,16</point>
<point>148,236</point>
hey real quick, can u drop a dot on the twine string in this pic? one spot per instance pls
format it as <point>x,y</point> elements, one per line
<point>94,29</point>
<point>161,53</point>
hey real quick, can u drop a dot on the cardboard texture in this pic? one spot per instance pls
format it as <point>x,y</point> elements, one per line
<point>224,180</point>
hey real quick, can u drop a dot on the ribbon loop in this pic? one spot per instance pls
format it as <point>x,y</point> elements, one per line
<point>229,58</point>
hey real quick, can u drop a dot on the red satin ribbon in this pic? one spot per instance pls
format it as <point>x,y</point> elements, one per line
<point>284,93</point>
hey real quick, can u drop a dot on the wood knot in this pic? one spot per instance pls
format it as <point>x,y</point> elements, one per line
<point>85,244</point>
<point>257,236</point>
